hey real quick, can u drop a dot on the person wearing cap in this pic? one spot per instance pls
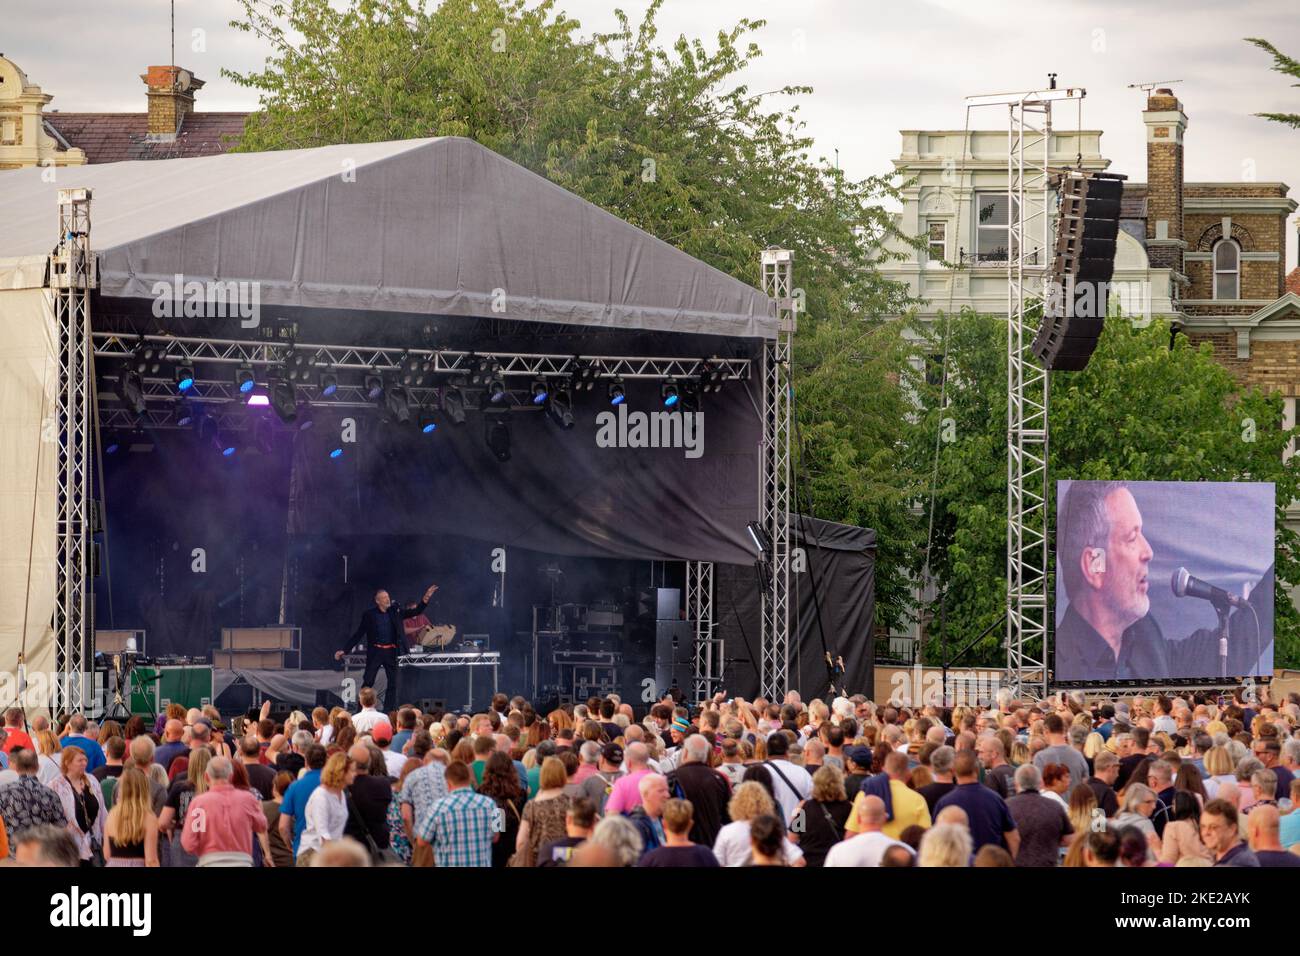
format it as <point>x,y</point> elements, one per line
<point>382,736</point>
<point>678,731</point>
<point>600,785</point>
<point>858,759</point>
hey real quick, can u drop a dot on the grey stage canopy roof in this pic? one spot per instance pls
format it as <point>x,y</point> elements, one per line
<point>429,226</point>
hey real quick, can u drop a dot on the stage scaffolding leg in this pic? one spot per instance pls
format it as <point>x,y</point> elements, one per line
<point>775,486</point>
<point>707,661</point>
<point>1029,206</point>
<point>71,279</point>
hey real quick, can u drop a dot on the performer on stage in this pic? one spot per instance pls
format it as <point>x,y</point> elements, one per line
<point>381,628</point>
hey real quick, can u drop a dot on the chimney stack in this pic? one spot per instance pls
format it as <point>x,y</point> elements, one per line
<point>171,98</point>
<point>1165,122</point>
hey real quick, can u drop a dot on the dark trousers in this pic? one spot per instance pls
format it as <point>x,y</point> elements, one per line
<point>388,661</point>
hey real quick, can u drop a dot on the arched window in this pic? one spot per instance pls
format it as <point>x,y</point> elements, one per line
<point>1227,269</point>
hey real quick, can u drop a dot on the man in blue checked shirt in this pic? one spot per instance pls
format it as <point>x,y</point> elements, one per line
<point>461,826</point>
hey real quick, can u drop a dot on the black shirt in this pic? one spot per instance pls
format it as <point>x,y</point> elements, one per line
<point>708,792</point>
<point>1107,801</point>
<point>557,852</point>
<point>1276,858</point>
<point>934,792</point>
<point>371,797</point>
<point>1145,653</point>
<point>106,771</point>
<point>823,827</point>
<point>261,778</point>
<point>685,856</point>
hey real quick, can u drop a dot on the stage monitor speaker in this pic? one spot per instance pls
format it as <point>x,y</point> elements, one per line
<point>431,705</point>
<point>674,654</point>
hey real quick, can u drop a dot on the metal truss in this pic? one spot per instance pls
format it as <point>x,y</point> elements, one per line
<point>71,277</point>
<point>774,480</point>
<point>116,345</point>
<point>707,661</point>
<point>1029,232</point>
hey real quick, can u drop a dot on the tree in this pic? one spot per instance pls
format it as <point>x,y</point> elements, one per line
<point>1117,419</point>
<point>663,136</point>
<point>1285,65</point>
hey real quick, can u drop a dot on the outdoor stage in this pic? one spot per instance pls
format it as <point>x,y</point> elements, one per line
<point>286,380</point>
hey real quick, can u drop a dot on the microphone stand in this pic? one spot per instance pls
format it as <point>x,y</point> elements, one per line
<point>1223,610</point>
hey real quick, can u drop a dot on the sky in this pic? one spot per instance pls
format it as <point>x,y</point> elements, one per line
<point>876,67</point>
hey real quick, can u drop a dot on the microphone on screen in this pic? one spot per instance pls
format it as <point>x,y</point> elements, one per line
<point>1185,585</point>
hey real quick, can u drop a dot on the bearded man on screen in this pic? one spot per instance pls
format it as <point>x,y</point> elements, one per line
<point>1107,632</point>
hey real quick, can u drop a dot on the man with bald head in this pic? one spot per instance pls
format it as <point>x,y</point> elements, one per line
<point>869,844</point>
<point>173,744</point>
<point>1262,828</point>
<point>382,631</point>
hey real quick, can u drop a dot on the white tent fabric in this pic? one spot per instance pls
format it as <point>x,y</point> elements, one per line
<point>433,226</point>
<point>28,380</point>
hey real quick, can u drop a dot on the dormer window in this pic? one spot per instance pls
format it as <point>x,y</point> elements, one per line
<point>1227,270</point>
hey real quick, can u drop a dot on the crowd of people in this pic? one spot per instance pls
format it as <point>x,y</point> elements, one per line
<point>1191,780</point>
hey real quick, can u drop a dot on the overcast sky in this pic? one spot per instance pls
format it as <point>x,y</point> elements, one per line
<point>875,67</point>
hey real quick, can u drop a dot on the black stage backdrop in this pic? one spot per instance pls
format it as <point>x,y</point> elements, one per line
<point>840,571</point>
<point>560,492</point>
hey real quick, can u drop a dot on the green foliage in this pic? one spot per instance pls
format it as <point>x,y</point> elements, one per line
<point>665,136</point>
<point>1141,410</point>
<point>1287,66</point>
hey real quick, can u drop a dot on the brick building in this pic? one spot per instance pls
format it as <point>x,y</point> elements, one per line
<point>170,127</point>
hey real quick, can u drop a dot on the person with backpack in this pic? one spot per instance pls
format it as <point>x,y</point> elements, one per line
<point>707,790</point>
<point>790,782</point>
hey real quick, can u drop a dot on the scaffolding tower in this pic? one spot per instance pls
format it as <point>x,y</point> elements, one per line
<point>71,278</point>
<point>1030,221</point>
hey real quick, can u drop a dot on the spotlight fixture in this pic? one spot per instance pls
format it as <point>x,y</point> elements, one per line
<point>540,391</point>
<point>258,399</point>
<point>328,382</point>
<point>296,367</point>
<point>453,404</point>
<point>760,538</point>
<point>184,377</point>
<point>496,387</point>
<point>336,453</point>
<point>374,386</point>
<point>397,403</point>
<point>283,400</point>
<point>560,407</point>
<point>225,443</point>
<point>498,438</point>
<point>415,370</point>
<point>112,442</point>
<point>427,424</point>
<point>245,380</point>
<point>483,369</point>
<point>304,417</point>
<point>148,358</point>
<point>585,375</point>
<point>188,414</point>
<point>130,389</point>
<point>670,394</point>
<point>711,378</point>
<point>617,392</point>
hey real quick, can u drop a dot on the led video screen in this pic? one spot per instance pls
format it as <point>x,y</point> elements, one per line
<point>1163,580</point>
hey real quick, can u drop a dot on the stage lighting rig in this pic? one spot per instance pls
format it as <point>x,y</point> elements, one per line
<point>560,407</point>
<point>427,423</point>
<point>297,367</point>
<point>284,400</point>
<point>245,380</point>
<point>130,389</point>
<point>617,392</point>
<point>397,403</point>
<point>670,394</point>
<point>710,378</point>
<point>304,416</point>
<point>496,387</point>
<point>148,358</point>
<point>184,377</point>
<point>585,375</point>
<point>453,402</point>
<point>374,385</point>
<point>415,370</point>
<point>540,391</point>
<point>328,382</point>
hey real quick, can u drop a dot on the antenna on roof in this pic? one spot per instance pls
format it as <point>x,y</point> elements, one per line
<point>1148,87</point>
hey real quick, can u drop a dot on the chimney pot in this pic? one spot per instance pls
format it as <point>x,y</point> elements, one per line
<point>171,98</point>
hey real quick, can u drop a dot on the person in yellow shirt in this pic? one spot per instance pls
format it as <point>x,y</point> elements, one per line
<point>908,806</point>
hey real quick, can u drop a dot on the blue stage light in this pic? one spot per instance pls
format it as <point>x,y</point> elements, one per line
<point>336,453</point>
